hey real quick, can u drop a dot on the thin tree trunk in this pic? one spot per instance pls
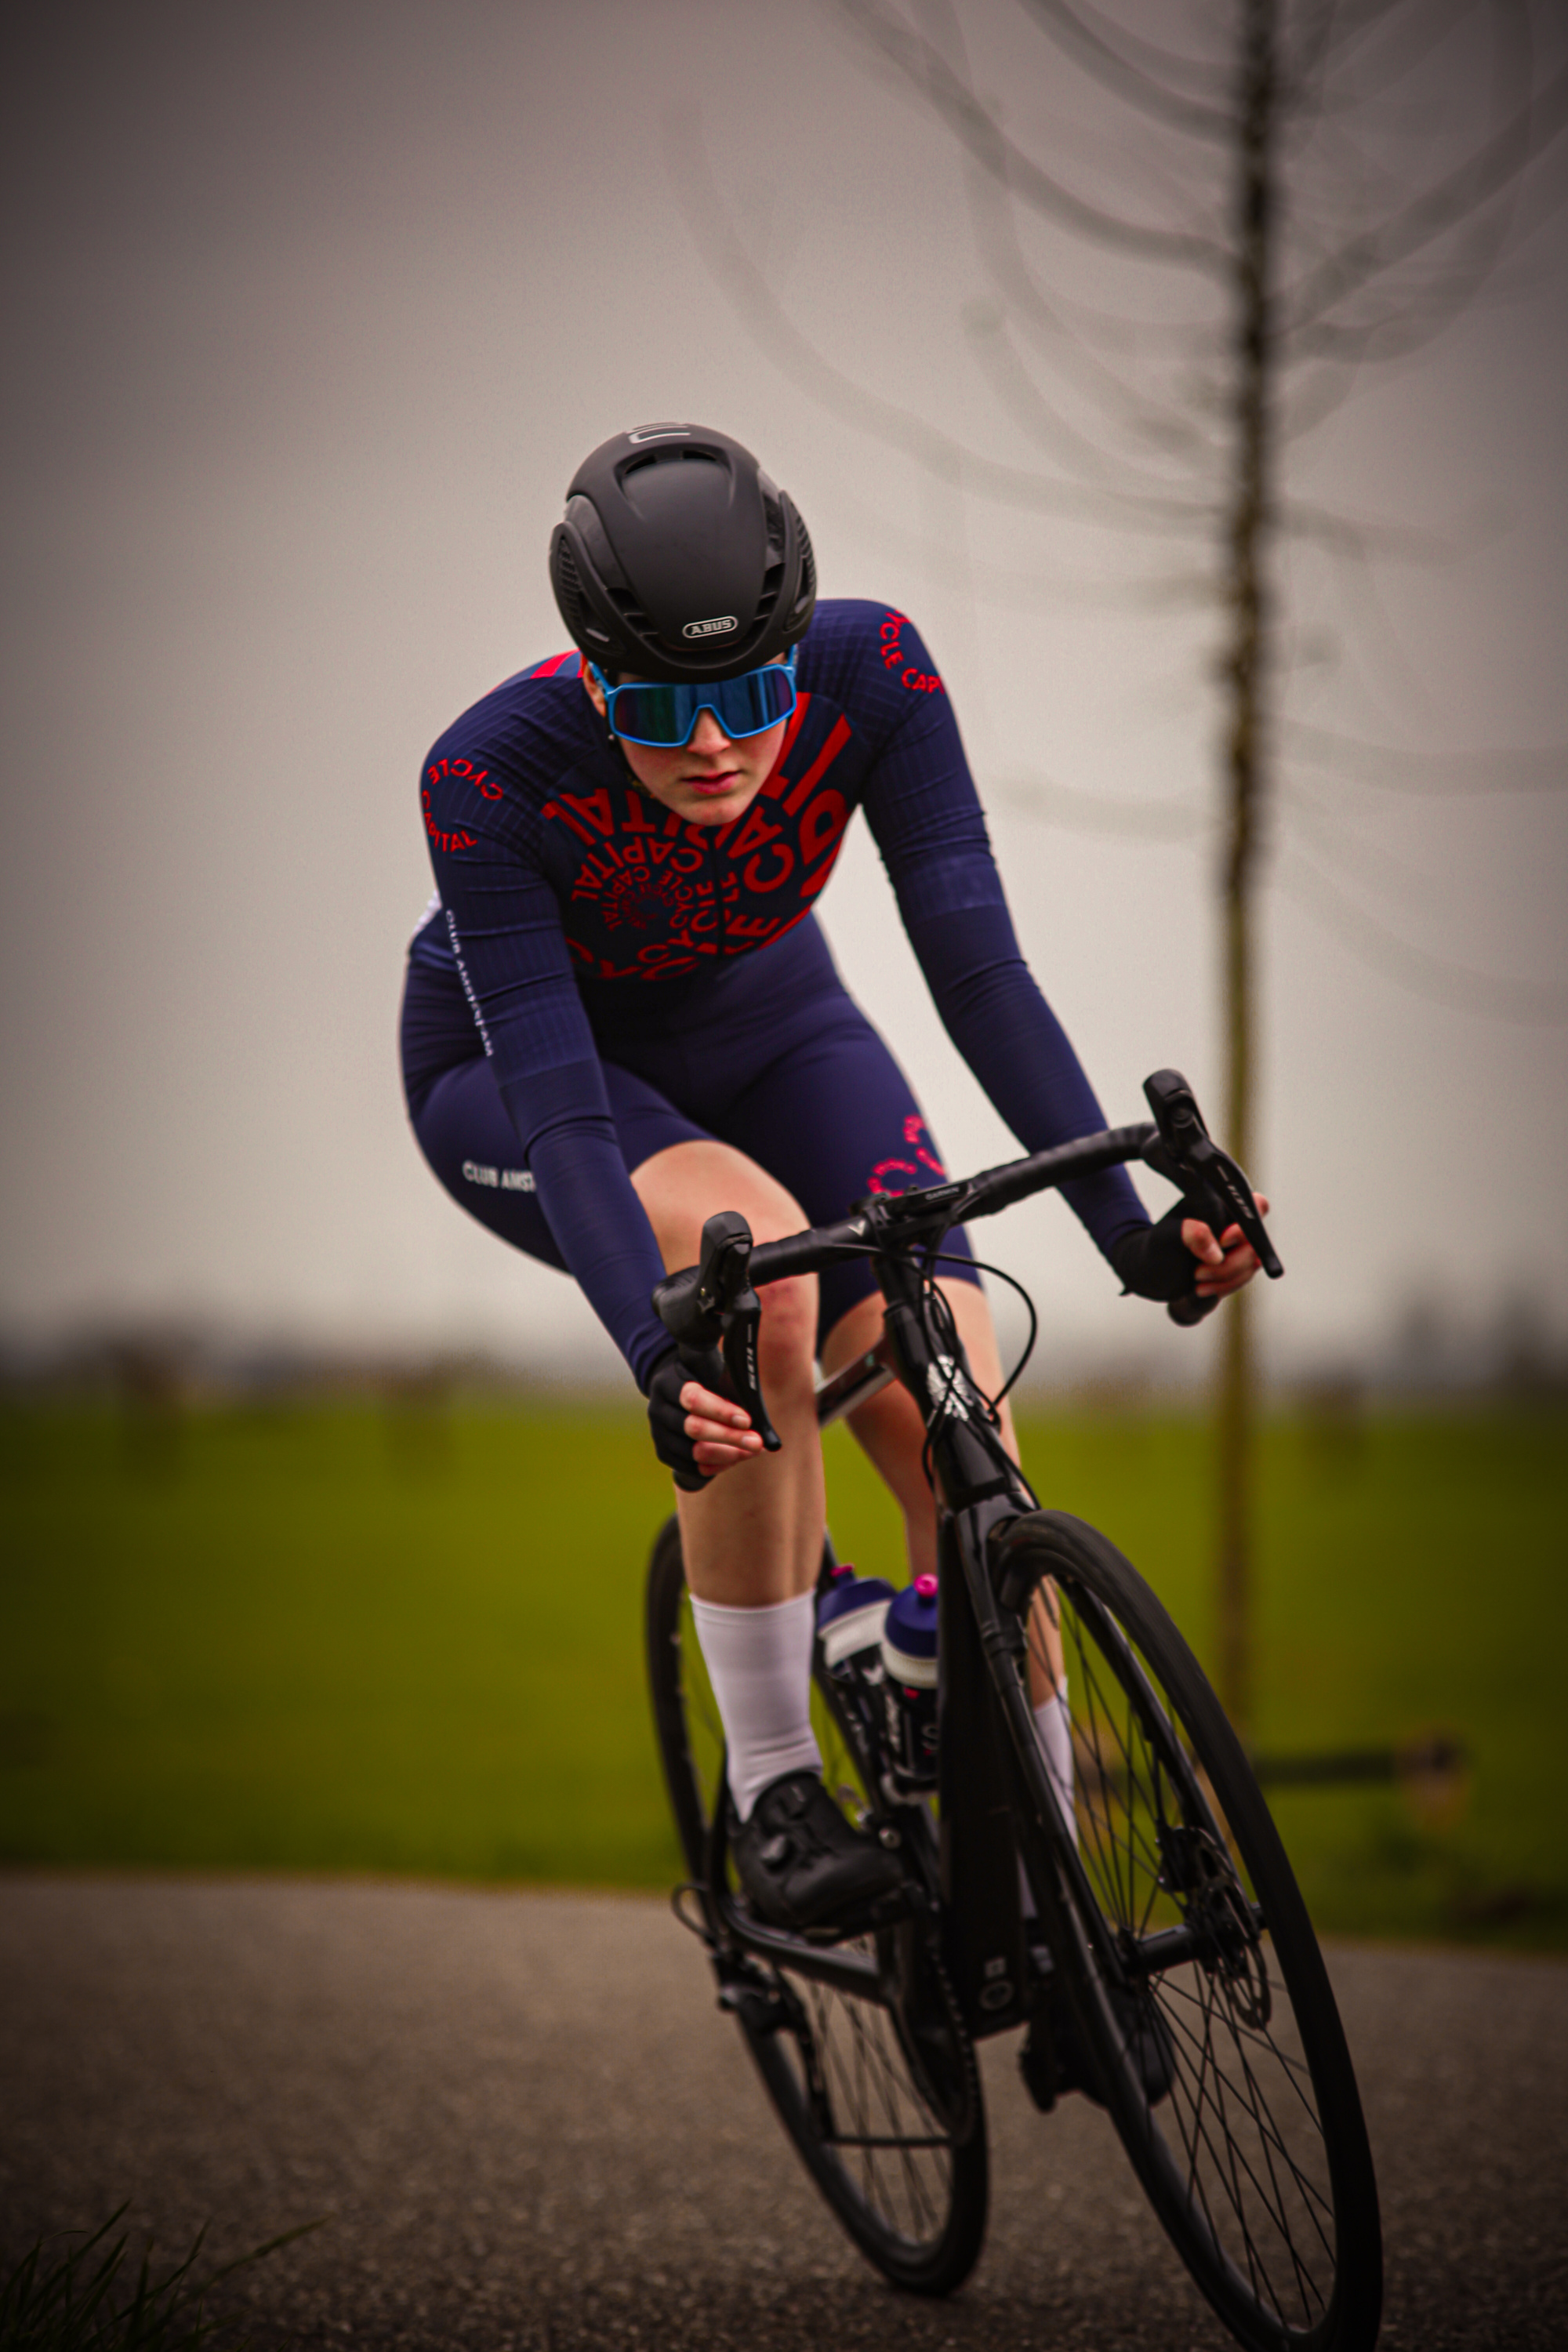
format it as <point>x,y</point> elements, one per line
<point>1250,516</point>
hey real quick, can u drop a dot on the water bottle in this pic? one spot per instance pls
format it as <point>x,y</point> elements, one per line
<point>850,1626</point>
<point>849,1621</point>
<point>908,1691</point>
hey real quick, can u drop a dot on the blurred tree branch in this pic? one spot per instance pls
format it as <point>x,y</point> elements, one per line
<point>1313,299</point>
<point>1295,172</point>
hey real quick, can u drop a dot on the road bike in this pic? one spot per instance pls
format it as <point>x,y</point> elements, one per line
<point>1145,1919</point>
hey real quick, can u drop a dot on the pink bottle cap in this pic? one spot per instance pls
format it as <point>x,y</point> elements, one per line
<point>925,1586</point>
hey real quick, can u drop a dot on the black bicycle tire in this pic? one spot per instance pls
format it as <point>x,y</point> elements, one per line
<point>932,2267</point>
<point>1087,1567</point>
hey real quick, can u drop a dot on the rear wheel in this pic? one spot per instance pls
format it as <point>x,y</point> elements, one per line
<point>1191,1969</point>
<point>880,2097</point>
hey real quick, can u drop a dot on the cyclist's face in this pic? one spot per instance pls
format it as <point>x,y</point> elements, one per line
<point>709,780</point>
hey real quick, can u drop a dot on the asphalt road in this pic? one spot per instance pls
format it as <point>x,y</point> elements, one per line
<point>532,2129</point>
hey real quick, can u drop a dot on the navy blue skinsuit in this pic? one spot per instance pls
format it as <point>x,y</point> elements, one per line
<point>599,979</point>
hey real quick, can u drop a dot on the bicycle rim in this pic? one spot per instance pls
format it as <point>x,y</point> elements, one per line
<point>884,2111</point>
<point>1223,2061</point>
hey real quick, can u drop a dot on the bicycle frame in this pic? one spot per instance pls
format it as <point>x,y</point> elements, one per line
<point>1145,1964</point>
<point>978,1487</point>
<point>983,1717</point>
<point>978,1907</point>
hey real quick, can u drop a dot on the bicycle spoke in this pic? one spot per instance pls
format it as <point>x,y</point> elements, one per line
<point>1214,2132</point>
<point>1262,2113</point>
<point>902,2163</point>
<point>834,2065</point>
<point>1196,2183</point>
<point>1207,2096</point>
<point>1238,2114</point>
<point>1092,1723</point>
<point>1273,2145</point>
<point>1293,2069</point>
<point>1230,2161</point>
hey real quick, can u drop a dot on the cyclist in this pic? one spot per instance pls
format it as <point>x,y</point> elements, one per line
<point>621,1016</point>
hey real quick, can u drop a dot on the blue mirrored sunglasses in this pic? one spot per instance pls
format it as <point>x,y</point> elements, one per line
<point>664,717</point>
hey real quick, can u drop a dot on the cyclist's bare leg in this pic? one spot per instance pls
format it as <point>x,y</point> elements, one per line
<point>754,1535</point>
<point>890,1428</point>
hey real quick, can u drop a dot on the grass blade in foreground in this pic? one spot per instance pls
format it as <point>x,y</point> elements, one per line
<point>86,2299</point>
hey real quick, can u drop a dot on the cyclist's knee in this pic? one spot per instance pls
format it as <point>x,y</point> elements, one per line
<point>683,1186</point>
<point>787,1339</point>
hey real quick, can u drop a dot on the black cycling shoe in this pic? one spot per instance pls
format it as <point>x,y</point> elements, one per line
<point>802,1863</point>
<point>1053,2059</point>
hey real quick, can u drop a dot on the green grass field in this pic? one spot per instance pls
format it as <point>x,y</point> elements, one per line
<point>348,1638</point>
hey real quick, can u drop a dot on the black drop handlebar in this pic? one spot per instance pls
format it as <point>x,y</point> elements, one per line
<point>712,1310</point>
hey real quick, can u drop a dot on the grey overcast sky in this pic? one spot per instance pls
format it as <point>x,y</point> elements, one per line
<point>314,310</point>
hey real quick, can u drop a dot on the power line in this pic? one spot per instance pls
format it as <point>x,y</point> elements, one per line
<point>1437,978</point>
<point>1541,769</point>
<point>1167,819</point>
<point>1530,1004</point>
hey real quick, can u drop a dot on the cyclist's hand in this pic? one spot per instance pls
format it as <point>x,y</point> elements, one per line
<point>1225,1265</point>
<point>1157,1261</point>
<point>696,1434</point>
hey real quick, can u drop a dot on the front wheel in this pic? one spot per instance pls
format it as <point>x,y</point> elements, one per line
<point>1190,1964</point>
<point>880,2097</point>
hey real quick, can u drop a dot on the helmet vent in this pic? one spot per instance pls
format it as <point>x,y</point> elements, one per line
<point>772,581</point>
<point>569,587</point>
<point>628,610</point>
<point>807,592</point>
<point>575,609</point>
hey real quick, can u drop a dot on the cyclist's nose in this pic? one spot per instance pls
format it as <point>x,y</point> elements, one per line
<point>706,737</point>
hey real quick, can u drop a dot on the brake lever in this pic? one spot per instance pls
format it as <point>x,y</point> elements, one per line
<point>1188,1155</point>
<point>713,1315</point>
<point>741,1363</point>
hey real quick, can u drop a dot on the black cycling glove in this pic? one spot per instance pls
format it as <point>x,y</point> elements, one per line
<point>666,1417</point>
<point>1155,1262</point>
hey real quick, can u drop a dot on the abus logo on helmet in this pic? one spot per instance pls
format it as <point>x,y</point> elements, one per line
<point>719,628</point>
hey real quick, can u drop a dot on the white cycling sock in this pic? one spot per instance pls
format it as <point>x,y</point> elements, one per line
<point>759,1662</point>
<point>1054,1725</point>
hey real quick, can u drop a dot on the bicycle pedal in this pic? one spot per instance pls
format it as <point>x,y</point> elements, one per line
<point>903,1903</point>
<point>888,1911</point>
<point>1037,2066</point>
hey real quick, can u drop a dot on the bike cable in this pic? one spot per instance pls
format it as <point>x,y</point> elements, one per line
<point>951,1258</point>
<point>944,1331</point>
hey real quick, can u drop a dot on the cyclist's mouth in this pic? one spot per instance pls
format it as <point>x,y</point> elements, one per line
<point>712,788</point>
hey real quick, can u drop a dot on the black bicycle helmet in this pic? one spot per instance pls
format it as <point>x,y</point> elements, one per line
<point>679,560</point>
